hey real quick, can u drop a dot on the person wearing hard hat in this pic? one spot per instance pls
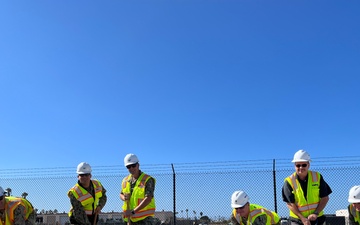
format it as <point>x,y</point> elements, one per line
<point>87,197</point>
<point>305,192</point>
<point>354,206</point>
<point>245,213</point>
<point>15,210</point>
<point>137,192</point>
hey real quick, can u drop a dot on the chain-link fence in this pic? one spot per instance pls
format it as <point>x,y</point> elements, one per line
<point>187,191</point>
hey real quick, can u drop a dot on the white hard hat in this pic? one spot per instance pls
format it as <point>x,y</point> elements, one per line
<point>354,194</point>
<point>301,156</point>
<point>83,168</point>
<point>2,192</point>
<point>130,159</point>
<point>239,199</point>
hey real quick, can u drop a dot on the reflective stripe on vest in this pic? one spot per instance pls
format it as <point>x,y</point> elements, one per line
<point>270,215</point>
<point>137,197</point>
<point>310,204</point>
<point>11,206</point>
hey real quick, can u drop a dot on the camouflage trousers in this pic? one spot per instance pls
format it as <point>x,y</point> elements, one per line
<point>147,221</point>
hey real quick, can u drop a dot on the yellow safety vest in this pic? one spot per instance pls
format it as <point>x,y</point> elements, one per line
<point>309,204</point>
<point>86,199</point>
<point>355,213</point>
<point>258,210</point>
<point>11,203</point>
<point>137,196</point>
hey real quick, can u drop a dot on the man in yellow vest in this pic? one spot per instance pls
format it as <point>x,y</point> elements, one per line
<point>15,210</point>
<point>87,197</point>
<point>245,213</point>
<point>354,206</point>
<point>137,192</point>
<point>305,206</point>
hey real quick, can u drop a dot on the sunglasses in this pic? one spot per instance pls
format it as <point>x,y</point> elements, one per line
<point>131,166</point>
<point>301,165</point>
<point>84,175</point>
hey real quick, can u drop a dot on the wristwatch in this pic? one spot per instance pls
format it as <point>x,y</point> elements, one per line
<point>133,212</point>
<point>316,213</point>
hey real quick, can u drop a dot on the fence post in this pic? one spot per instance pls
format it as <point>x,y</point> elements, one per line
<point>174,192</point>
<point>274,179</point>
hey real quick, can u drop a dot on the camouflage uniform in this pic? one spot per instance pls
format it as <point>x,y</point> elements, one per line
<point>79,216</point>
<point>19,216</point>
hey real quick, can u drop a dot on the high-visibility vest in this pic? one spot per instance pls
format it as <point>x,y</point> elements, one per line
<point>86,199</point>
<point>137,196</point>
<point>255,211</point>
<point>355,213</point>
<point>11,203</point>
<point>309,204</point>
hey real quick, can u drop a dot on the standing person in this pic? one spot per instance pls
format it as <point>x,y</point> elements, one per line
<point>87,197</point>
<point>244,213</point>
<point>354,206</point>
<point>15,210</point>
<point>305,206</point>
<point>137,192</point>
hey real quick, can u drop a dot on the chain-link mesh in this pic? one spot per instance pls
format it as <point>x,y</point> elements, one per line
<point>191,190</point>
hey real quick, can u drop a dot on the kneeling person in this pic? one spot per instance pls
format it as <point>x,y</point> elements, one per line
<point>245,213</point>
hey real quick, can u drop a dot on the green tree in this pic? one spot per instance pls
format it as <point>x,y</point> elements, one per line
<point>8,190</point>
<point>24,194</point>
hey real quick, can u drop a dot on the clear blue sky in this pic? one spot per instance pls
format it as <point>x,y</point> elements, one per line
<point>177,81</point>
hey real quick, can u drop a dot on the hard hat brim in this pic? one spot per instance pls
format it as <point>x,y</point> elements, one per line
<point>354,200</point>
<point>238,205</point>
<point>82,173</point>
<point>131,163</point>
<point>300,160</point>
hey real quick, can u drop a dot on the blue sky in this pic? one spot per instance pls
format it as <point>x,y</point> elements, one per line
<point>177,81</point>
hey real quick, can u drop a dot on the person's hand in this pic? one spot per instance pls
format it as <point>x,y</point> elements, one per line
<point>127,213</point>
<point>97,210</point>
<point>312,217</point>
<point>305,221</point>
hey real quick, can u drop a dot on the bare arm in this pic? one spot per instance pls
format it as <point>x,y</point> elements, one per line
<point>321,206</point>
<point>122,196</point>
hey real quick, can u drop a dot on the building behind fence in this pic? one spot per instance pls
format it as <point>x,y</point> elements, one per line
<point>193,193</point>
